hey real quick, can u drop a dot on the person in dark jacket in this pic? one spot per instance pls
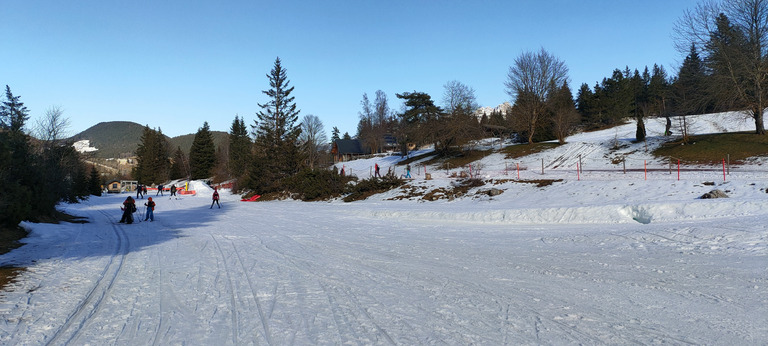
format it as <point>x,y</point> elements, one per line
<point>129,207</point>
<point>140,192</point>
<point>215,198</point>
<point>173,190</point>
<point>150,210</point>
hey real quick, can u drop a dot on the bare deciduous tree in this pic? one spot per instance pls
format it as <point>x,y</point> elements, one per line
<point>374,122</point>
<point>530,83</point>
<point>456,95</point>
<point>733,35</point>
<point>313,138</point>
<point>457,125</point>
<point>53,126</point>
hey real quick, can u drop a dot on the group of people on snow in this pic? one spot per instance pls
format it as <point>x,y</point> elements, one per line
<point>129,205</point>
<point>141,191</point>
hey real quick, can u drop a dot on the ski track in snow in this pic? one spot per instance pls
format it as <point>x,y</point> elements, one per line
<point>91,305</point>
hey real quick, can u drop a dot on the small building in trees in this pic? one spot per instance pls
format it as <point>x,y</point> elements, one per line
<point>390,142</point>
<point>114,186</point>
<point>346,149</point>
<point>118,186</point>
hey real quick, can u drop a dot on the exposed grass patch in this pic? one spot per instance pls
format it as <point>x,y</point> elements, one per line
<point>369,187</point>
<point>713,148</point>
<point>520,150</point>
<point>458,189</point>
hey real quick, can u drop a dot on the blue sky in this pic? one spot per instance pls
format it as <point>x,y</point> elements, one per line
<point>176,64</point>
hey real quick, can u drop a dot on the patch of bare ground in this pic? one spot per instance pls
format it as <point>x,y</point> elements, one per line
<point>10,239</point>
<point>457,189</point>
<point>537,182</point>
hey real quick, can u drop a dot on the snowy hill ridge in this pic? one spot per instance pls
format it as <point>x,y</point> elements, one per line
<point>599,150</point>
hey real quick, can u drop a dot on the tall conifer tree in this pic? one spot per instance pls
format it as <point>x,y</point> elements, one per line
<point>277,153</point>
<point>202,154</point>
<point>152,158</point>
<point>239,148</point>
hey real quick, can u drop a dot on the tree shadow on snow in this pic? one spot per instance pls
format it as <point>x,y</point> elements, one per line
<point>103,236</point>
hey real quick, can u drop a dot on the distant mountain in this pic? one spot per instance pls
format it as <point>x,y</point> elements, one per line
<point>119,139</point>
<point>504,108</point>
<point>114,139</point>
<point>185,141</point>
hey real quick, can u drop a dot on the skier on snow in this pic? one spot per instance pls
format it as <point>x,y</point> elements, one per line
<point>128,208</point>
<point>139,192</point>
<point>215,198</point>
<point>150,210</point>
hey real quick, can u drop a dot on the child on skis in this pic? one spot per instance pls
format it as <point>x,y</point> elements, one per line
<point>128,208</point>
<point>215,198</point>
<point>150,210</point>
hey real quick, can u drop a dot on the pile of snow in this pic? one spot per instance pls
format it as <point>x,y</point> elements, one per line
<point>84,146</point>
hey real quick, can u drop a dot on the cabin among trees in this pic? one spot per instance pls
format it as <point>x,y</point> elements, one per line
<point>118,186</point>
<point>347,149</point>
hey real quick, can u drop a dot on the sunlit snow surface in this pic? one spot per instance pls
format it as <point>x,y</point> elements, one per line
<point>602,258</point>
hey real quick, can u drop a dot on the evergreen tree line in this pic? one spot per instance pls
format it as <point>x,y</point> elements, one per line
<point>421,122</point>
<point>627,94</point>
<point>724,70</point>
<point>36,174</point>
<point>264,159</point>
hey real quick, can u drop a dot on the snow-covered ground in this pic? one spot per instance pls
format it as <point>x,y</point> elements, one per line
<point>599,258</point>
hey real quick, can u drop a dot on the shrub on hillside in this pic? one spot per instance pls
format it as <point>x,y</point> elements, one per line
<point>317,184</point>
<point>371,186</point>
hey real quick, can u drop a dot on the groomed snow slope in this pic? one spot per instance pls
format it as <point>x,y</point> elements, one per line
<point>608,259</point>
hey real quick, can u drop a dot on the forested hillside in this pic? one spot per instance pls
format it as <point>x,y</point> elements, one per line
<point>116,139</point>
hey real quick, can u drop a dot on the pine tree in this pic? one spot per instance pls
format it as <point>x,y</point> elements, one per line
<point>179,167</point>
<point>239,148</point>
<point>418,120</point>
<point>18,167</point>
<point>638,87</point>
<point>94,182</point>
<point>689,91</point>
<point>202,154</point>
<point>152,158</point>
<point>335,135</point>
<point>277,151</point>
<point>659,92</point>
<point>13,113</point>
<point>162,164</point>
<point>564,114</point>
